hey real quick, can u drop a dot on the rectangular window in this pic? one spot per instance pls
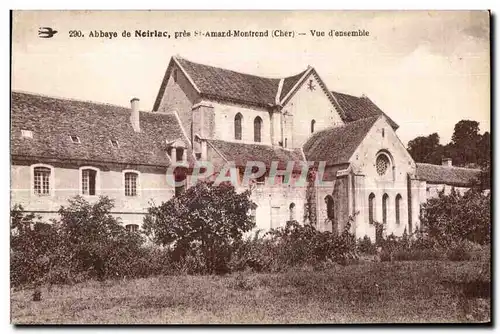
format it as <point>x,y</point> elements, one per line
<point>132,227</point>
<point>130,184</point>
<point>27,133</point>
<point>179,153</point>
<point>88,182</point>
<point>42,181</point>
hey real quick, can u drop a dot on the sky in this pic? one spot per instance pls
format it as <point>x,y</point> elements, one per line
<point>426,69</point>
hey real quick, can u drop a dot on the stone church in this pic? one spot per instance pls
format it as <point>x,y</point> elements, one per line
<point>64,147</point>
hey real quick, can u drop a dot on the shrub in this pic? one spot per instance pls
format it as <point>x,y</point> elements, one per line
<point>294,245</point>
<point>94,242</point>
<point>86,242</point>
<point>459,251</point>
<point>34,248</point>
<point>453,218</point>
<point>366,246</point>
<point>202,226</point>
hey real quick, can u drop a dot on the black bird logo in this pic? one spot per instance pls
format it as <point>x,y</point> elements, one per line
<point>46,32</point>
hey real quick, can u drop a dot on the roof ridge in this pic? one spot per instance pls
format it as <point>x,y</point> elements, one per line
<point>237,72</point>
<point>71,99</point>
<point>456,167</point>
<point>336,92</point>
<point>351,123</point>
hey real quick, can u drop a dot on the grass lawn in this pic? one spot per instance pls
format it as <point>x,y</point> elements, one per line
<point>419,291</point>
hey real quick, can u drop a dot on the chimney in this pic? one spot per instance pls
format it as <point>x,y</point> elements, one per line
<point>134,115</point>
<point>446,162</point>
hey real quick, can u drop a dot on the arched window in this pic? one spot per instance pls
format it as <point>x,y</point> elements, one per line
<point>257,128</point>
<point>237,126</point>
<point>397,208</point>
<point>385,199</point>
<point>371,208</point>
<point>330,211</point>
<point>313,123</point>
<point>291,208</point>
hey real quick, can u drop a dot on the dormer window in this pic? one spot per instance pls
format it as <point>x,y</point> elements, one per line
<point>27,134</point>
<point>114,143</point>
<point>179,154</point>
<point>176,150</point>
<point>75,139</point>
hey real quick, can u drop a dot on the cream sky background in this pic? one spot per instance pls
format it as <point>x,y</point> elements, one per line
<point>426,70</point>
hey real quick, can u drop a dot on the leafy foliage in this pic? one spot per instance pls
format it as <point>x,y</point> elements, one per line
<point>426,149</point>
<point>454,217</point>
<point>294,245</point>
<point>467,148</point>
<point>202,225</point>
<point>95,242</point>
<point>86,242</point>
<point>33,245</point>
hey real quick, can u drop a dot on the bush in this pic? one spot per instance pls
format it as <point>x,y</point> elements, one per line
<point>366,246</point>
<point>202,226</point>
<point>86,242</point>
<point>94,242</point>
<point>454,218</point>
<point>294,245</point>
<point>34,248</point>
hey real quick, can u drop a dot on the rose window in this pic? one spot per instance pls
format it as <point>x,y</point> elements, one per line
<point>382,164</point>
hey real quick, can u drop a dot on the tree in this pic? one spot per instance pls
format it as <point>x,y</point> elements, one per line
<point>484,150</point>
<point>205,222</point>
<point>33,245</point>
<point>465,142</point>
<point>426,149</point>
<point>93,241</point>
<point>451,218</point>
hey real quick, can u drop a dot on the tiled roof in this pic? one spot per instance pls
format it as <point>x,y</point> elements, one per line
<point>289,83</point>
<point>214,82</point>
<point>240,153</point>
<point>356,108</point>
<point>454,176</point>
<point>336,145</point>
<point>54,120</point>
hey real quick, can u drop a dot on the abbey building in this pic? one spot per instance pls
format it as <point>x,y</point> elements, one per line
<point>63,147</point>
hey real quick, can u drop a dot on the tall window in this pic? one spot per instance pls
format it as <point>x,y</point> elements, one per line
<point>237,126</point>
<point>42,181</point>
<point>131,184</point>
<point>330,213</point>
<point>313,123</point>
<point>253,212</point>
<point>180,177</point>
<point>291,208</point>
<point>397,208</point>
<point>179,154</point>
<point>89,181</point>
<point>257,128</point>
<point>385,199</point>
<point>371,208</point>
